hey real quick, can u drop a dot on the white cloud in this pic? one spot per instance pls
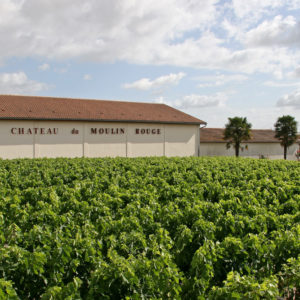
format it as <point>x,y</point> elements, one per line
<point>87,77</point>
<point>293,4</point>
<point>254,8</point>
<point>295,73</point>
<point>266,60</point>
<point>280,84</point>
<point>158,83</point>
<point>220,79</point>
<point>44,67</point>
<point>19,83</point>
<point>279,31</point>
<point>233,30</point>
<point>216,113</point>
<point>196,101</point>
<point>292,100</point>
<point>61,70</point>
<point>98,30</point>
<point>260,118</point>
<point>160,32</point>
<point>204,52</point>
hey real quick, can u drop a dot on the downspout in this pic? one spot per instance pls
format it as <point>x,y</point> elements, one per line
<point>204,125</point>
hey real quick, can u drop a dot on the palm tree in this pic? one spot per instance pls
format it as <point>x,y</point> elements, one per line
<point>237,130</point>
<point>286,132</point>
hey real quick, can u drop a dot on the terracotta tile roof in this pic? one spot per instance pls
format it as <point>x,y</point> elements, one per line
<point>49,108</point>
<point>215,135</point>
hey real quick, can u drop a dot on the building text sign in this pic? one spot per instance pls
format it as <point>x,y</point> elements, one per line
<point>93,131</point>
<point>107,130</point>
<point>34,130</point>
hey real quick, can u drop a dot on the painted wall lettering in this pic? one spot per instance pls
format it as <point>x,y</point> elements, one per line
<point>147,131</point>
<point>97,131</point>
<point>29,131</point>
<point>107,130</point>
<point>75,131</point>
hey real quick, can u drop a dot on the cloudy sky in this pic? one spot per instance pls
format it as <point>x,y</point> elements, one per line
<point>212,59</point>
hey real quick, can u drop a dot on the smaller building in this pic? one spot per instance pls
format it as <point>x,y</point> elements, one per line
<point>263,144</point>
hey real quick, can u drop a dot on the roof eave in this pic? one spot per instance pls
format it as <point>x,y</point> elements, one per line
<point>247,142</point>
<point>102,120</point>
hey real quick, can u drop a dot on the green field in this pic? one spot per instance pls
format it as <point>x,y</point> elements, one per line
<point>149,228</point>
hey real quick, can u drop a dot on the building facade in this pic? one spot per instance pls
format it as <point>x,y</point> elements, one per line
<point>33,127</point>
<point>262,144</point>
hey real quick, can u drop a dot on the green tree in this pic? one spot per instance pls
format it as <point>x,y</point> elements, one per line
<point>286,132</point>
<point>237,130</point>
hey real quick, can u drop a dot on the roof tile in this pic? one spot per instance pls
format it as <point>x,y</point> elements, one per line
<point>49,108</point>
<point>215,135</point>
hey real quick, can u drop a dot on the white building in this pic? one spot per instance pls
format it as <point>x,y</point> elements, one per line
<point>262,144</point>
<point>58,127</point>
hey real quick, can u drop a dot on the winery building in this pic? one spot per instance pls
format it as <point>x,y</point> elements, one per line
<point>32,127</point>
<point>262,144</point>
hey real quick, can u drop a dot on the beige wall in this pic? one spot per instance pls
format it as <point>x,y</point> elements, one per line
<point>255,150</point>
<point>61,144</point>
<point>141,143</point>
<point>176,135</point>
<point>96,139</point>
<point>104,144</point>
<point>13,146</point>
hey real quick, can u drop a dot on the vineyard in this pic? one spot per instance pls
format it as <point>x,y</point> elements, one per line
<point>149,228</point>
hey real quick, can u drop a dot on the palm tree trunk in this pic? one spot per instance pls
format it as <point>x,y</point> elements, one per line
<point>237,150</point>
<point>285,151</point>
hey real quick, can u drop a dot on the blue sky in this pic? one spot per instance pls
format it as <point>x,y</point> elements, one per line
<point>212,59</point>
